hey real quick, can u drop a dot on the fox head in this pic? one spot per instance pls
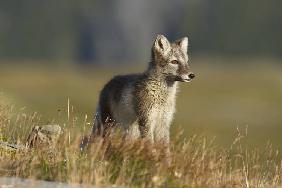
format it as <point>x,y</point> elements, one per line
<point>171,59</point>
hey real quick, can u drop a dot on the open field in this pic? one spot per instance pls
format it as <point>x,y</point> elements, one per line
<point>219,100</point>
<point>242,93</point>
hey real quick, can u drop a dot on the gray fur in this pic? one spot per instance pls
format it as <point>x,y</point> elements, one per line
<point>143,105</point>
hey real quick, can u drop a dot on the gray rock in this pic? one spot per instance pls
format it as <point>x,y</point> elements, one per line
<point>46,135</point>
<point>7,146</point>
<point>14,182</point>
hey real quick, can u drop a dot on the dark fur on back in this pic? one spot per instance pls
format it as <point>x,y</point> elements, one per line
<point>112,92</point>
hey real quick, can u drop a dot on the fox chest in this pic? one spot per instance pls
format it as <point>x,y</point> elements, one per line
<point>162,106</point>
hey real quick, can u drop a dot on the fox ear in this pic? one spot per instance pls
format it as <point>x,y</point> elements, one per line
<point>162,45</point>
<point>183,43</point>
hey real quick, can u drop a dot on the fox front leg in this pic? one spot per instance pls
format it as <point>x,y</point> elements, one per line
<point>146,128</point>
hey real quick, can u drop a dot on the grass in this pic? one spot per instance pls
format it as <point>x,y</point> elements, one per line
<point>195,161</point>
<point>210,145</point>
<point>226,94</point>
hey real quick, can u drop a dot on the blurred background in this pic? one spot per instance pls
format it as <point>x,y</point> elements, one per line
<point>55,51</point>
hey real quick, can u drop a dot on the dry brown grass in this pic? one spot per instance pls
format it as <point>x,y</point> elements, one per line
<point>196,161</point>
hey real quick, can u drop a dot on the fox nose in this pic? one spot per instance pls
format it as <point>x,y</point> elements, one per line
<point>191,75</point>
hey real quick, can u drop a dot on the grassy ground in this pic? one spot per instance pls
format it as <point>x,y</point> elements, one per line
<point>221,98</point>
<point>226,94</point>
<point>195,161</point>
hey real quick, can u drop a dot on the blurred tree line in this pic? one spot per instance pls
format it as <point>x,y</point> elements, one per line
<point>93,31</point>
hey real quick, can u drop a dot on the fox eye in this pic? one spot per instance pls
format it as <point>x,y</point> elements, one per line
<point>174,62</point>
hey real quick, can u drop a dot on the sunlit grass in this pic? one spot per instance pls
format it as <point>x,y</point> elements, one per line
<point>221,99</point>
<point>226,93</point>
<point>195,160</point>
